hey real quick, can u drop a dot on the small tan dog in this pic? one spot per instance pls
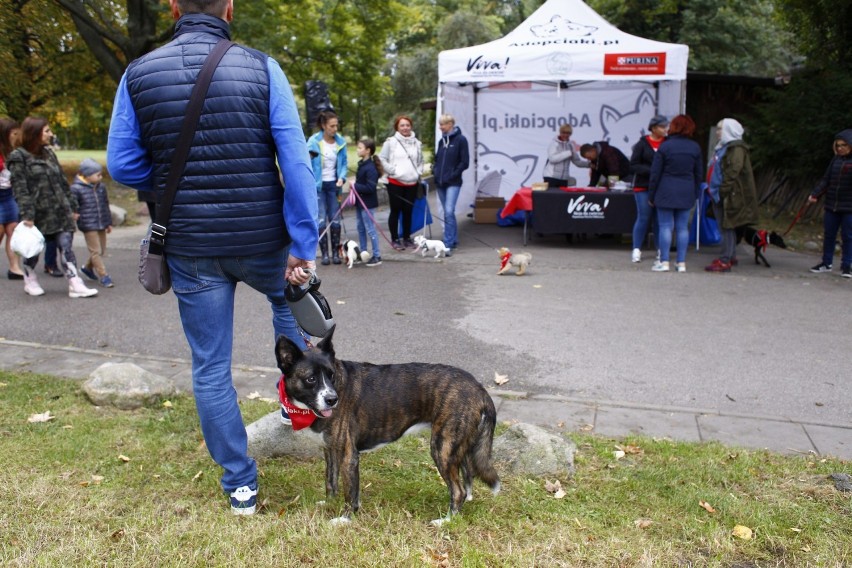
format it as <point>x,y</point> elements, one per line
<point>508,260</point>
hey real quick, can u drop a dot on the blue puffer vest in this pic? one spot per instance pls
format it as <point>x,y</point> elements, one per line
<point>230,200</point>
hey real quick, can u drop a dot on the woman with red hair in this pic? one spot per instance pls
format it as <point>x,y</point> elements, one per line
<point>402,161</point>
<point>674,185</point>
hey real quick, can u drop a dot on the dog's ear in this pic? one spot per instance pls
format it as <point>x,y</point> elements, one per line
<point>325,344</point>
<point>287,354</point>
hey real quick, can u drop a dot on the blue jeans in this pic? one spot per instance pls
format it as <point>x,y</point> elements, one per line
<point>832,222</point>
<point>327,204</point>
<point>449,196</point>
<point>366,228</point>
<point>679,220</point>
<point>204,287</point>
<point>644,218</point>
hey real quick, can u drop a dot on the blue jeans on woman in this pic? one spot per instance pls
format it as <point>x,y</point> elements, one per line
<point>679,220</point>
<point>366,228</point>
<point>644,218</point>
<point>205,287</point>
<point>832,222</point>
<point>449,196</point>
<point>327,204</point>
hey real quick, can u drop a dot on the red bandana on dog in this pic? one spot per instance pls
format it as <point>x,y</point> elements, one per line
<point>300,417</point>
<point>504,260</point>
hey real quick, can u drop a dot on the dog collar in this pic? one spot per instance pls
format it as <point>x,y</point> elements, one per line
<point>299,417</point>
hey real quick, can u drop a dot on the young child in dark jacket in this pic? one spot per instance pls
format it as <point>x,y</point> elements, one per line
<point>366,182</point>
<point>95,218</point>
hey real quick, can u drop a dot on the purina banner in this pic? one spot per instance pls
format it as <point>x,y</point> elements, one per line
<point>563,64</point>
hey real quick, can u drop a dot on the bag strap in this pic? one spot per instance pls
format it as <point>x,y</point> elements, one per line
<point>184,143</point>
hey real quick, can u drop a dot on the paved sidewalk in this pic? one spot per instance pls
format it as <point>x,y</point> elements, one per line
<point>607,418</point>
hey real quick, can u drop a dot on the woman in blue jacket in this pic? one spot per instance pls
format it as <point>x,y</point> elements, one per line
<point>328,160</point>
<point>674,185</point>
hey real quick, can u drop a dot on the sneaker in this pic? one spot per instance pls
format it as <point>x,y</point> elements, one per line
<point>661,266</point>
<point>244,500</point>
<point>636,256</point>
<point>375,261</point>
<point>681,267</point>
<point>718,266</point>
<point>409,243</point>
<point>398,246</point>
<point>88,273</point>
<point>53,271</point>
<point>845,272</point>
<point>106,281</point>
<point>821,267</point>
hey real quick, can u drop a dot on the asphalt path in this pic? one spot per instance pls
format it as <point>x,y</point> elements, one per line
<point>584,322</point>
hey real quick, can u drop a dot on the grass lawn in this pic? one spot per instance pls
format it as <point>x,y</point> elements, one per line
<point>97,486</point>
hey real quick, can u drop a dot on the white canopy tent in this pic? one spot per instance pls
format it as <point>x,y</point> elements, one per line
<point>564,64</point>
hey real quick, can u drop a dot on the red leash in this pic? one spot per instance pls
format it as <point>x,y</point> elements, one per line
<point>798,216</point>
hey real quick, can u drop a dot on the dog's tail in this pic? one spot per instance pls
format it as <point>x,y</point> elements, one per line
<point>481,451</point>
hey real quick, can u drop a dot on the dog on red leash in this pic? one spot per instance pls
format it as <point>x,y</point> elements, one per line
<point>759,239</point>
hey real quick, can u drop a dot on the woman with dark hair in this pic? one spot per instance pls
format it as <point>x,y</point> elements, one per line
<point>674,185</point>
<point>46,202</point>
<point>402,160</point>
<point>329,162</point>
<point>10,133</point>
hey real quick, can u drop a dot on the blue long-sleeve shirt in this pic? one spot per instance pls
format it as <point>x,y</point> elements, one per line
<point>130,163</point>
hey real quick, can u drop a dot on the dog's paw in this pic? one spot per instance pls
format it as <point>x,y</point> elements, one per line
<point>340,521</point>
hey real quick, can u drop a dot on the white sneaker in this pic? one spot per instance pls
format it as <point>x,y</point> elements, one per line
<point>31,285</point>
<point>637,256</point>
<point>76,289</point>
<point>681,267</point>
<point>661,266</point>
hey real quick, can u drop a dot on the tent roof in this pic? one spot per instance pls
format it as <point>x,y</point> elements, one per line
<point>565,40</point>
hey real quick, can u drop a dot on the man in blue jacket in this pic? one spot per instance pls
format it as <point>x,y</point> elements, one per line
<point>451,159</point>
<point>231,220</point>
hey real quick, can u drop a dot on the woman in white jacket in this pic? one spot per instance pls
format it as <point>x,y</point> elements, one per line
<point>402,160</point>
<point>560,154</point>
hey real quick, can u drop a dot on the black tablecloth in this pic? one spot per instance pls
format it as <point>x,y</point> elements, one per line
<point>583,212</point>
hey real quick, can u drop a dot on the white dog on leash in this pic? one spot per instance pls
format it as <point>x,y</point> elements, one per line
<point>430,245</point>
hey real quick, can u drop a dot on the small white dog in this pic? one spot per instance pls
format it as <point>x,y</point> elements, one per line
<point>350,251</point>
<point>431,245</point>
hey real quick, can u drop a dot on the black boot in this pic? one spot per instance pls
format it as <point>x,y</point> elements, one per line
<point>335,244</point>
<point>324,248</point>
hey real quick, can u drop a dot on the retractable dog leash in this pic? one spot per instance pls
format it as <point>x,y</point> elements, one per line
<point>798,216</point>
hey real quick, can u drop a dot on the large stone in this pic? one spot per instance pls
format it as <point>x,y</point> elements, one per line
<point>119,215</point>
<point>525,449</point>
<point>270,438</point>
<point>127,386</point>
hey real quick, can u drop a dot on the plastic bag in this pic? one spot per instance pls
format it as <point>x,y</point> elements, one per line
<point>26,241</point>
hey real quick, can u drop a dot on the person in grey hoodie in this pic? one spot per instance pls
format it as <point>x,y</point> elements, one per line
<point>836,185</point>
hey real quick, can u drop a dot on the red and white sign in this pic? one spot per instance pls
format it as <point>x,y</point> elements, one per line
<point>635,63</point>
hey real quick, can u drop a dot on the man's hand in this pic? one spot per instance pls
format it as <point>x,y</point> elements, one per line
<point>298,271</point>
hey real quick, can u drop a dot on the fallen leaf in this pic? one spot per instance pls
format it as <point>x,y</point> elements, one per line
<point>198,475</point>
<point>560,425</point>
<point>84,484</point>
<point>44,417</point>
<point>536,285</point>
<point>559,494</point>
<point>67,427</point>
<point>552,487</point>
<point>500,379</point>
<point>587,427</point>
<point>630,449</point>
<point>116,535</point>
<point>795,529</point>
<point>270,400</point>
<point>167,404</point>
<point>643,523</point>
<point>341,302</point>
<point>805,548</point>
<point>4,385</point>
<point>253,395</point>
<point>618,454</point>
<point>123,458</point>
<point>97,479</point>
<point>742,531</point>
<point>707,506</point>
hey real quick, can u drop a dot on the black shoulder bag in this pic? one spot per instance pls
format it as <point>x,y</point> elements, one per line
<point>153,270</point>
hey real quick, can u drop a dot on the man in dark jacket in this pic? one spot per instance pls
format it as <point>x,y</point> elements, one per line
<point>836,185</point>
<point>605,161</point>
<point>451,159</point>
<point>231,220</point>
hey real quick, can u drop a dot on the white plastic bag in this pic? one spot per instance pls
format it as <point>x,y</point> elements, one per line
<point>26,241</point>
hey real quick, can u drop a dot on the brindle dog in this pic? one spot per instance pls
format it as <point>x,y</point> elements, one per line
<point>362,406</point>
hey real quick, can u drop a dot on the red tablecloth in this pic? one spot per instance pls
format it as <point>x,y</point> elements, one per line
<point>522,200</point>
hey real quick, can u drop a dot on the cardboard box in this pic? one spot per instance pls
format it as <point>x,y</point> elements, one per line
<point>485,209</point>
